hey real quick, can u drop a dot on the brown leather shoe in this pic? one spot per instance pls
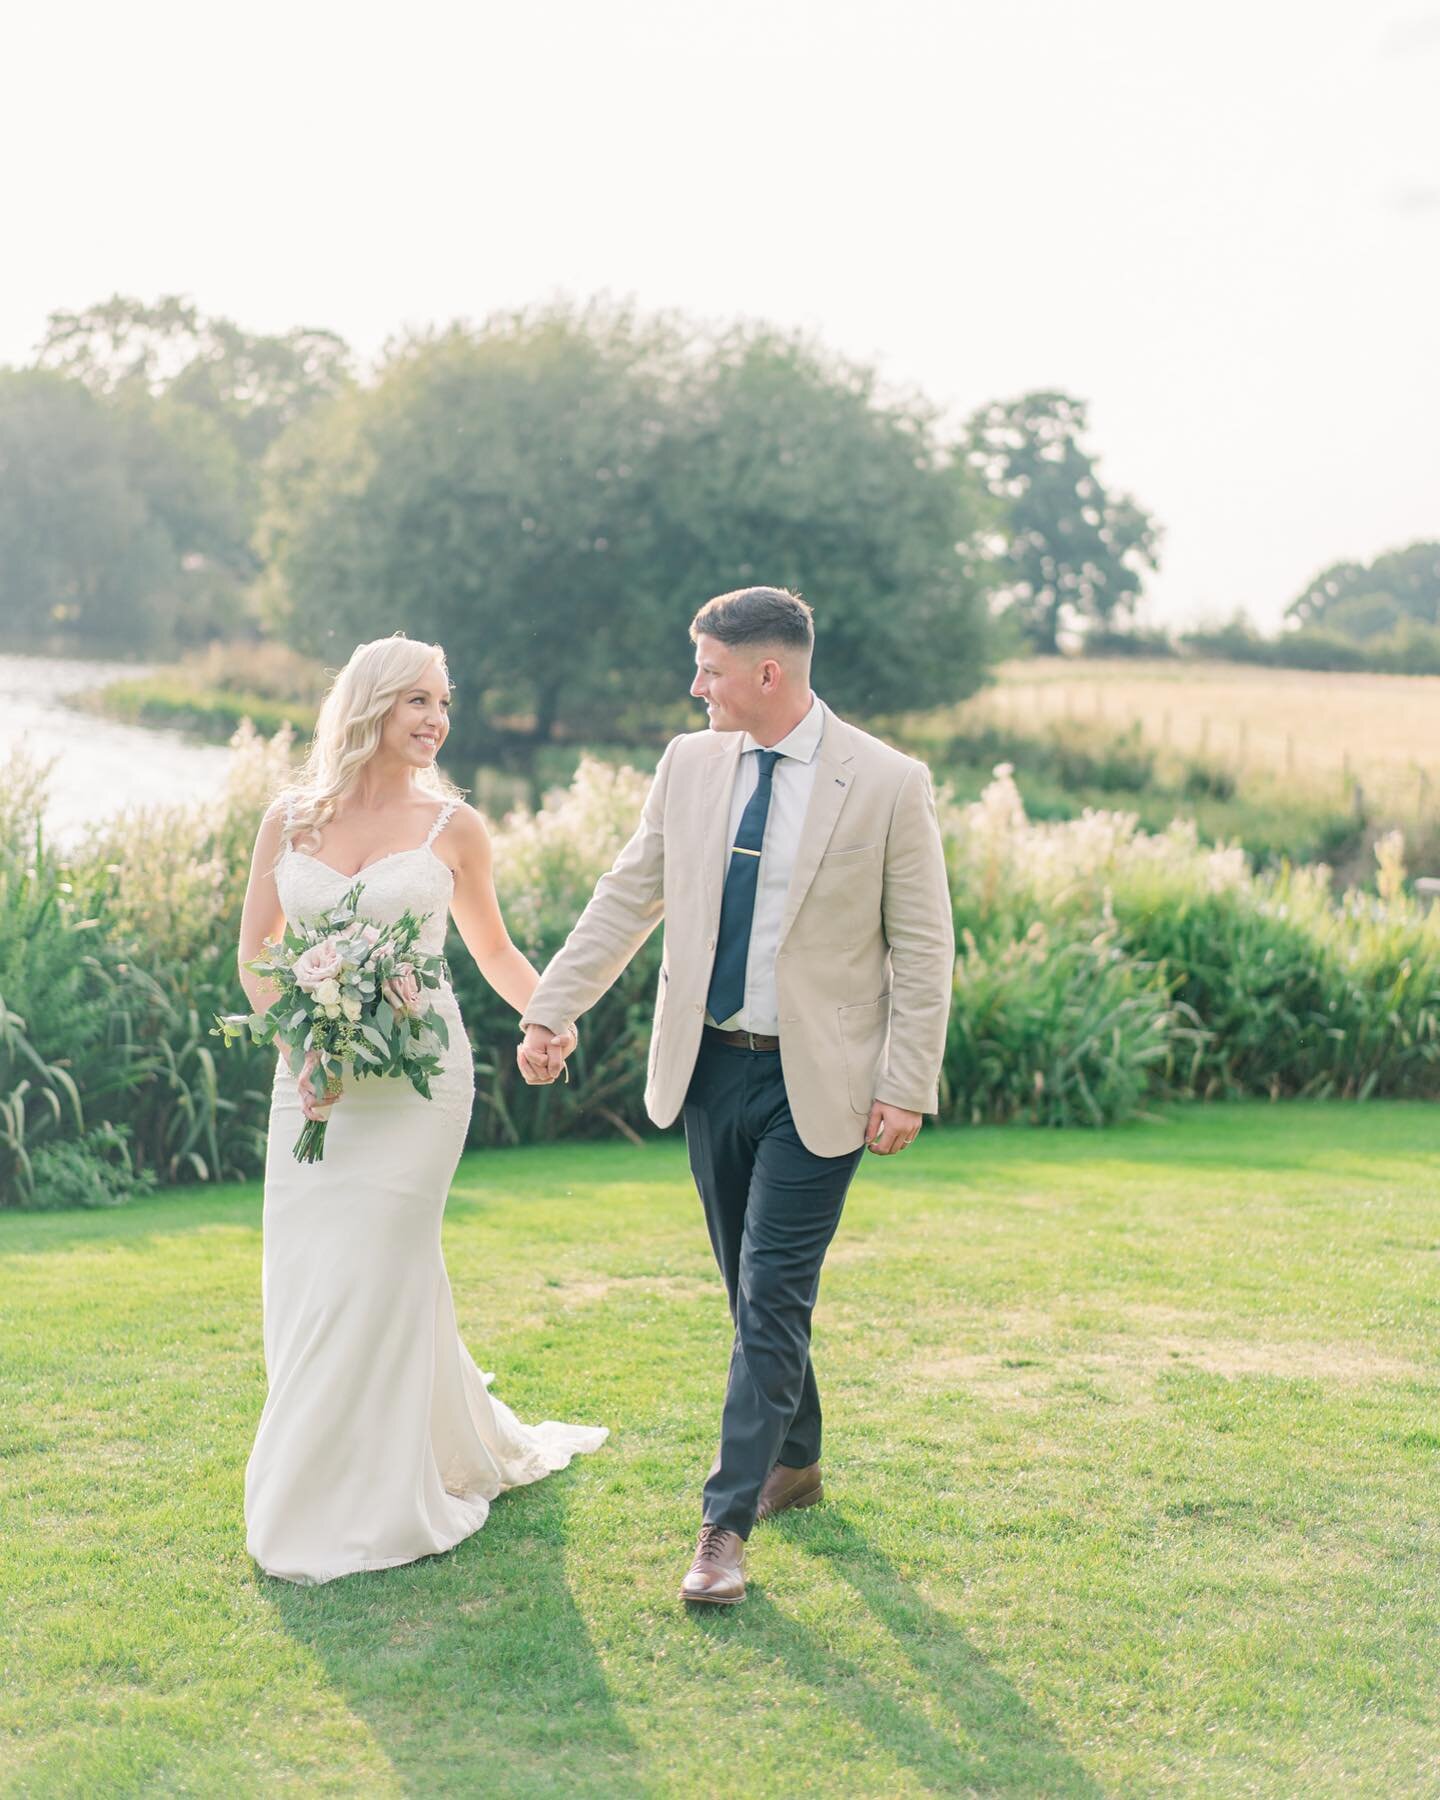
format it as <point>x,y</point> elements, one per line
<point>717,1575</point>
<point>789,1487</point>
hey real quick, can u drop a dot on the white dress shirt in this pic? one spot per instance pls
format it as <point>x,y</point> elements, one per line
<point>791,784</point>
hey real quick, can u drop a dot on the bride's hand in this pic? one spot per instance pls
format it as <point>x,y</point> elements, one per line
<point>541,1054</point>
<point>312,1103</point>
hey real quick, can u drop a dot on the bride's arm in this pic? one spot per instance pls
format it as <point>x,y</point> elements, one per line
<point>476,910</point>
<point>263,915</point>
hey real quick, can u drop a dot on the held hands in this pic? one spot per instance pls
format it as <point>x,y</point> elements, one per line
<point>541,1053</point>
<point>891,1128</point>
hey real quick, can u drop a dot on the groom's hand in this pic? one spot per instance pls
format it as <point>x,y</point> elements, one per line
<point>541,1053</point>
<point>891,1128</point>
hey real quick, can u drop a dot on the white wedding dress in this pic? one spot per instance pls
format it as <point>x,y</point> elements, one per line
<point>379,1441</point>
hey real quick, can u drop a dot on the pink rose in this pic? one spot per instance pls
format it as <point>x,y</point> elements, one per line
<point>321,962</point>
<point>402,990</point>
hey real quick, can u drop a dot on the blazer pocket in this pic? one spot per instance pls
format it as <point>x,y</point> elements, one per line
<point>864,1030</point>
<point>849,856</point>
<point>842,902</point>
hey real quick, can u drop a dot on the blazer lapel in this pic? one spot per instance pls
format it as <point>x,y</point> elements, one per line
<point>834,777</point>
<point>715,795</point>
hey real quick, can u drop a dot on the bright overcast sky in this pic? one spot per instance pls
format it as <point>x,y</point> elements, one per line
<point>1219,224</point>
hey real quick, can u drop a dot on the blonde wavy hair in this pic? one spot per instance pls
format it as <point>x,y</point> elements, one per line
<point>347,732</point>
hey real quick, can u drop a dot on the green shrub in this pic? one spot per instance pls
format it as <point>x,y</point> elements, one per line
<point>93,1170</point>
<point>168,885</point>
<point>1255,977</point>
<point>1060,1032</point>
<point>111,965</point>
<point>211,713</point>
<point>1103,642</point>
<point>1204,780</point>
<point>55,988</point>
<point>1283,990</point>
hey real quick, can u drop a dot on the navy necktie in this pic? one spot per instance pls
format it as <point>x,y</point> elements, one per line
<point>737,905</point>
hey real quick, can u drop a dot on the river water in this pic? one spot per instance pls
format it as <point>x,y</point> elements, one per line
<point>98,767</point>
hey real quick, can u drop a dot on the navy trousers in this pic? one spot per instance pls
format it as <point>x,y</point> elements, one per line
<point>772,1207</point>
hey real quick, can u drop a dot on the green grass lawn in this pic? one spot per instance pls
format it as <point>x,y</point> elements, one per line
<point>1133,1464</point>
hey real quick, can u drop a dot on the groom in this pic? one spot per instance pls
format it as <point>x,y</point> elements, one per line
<point>804,993</point>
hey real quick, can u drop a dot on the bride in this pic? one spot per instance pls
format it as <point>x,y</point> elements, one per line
<point>379,1441</point>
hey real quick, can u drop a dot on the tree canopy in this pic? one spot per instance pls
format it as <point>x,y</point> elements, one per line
<point>130,470</point>
<point>1072,553</point>
<point>1369,600</point>
<point>121,523</point>
<point>554,495</point>
<point>254,385</point>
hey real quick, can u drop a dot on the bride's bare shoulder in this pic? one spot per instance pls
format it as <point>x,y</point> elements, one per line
<point>465,837</point>
<point>279,814</point>
<point>273,821</point>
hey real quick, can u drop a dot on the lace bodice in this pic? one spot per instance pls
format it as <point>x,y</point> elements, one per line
<point>415,878</point>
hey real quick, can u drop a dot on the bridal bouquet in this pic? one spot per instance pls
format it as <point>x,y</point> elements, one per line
<point>352,1001</point>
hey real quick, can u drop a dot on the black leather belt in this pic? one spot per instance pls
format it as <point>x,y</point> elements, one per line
<point>743,1040</point>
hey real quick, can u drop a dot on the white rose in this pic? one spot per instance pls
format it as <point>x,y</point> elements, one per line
<point>327,994</point>
<point>350,1006</point>
<point>331,1012</point>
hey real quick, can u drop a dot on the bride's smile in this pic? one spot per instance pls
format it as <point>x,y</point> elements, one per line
<point>420,722</point>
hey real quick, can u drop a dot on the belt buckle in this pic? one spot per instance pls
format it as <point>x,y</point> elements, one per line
<point>750,1041</point>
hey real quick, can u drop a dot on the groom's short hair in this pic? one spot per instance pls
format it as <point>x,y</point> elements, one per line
<point>757,615</point>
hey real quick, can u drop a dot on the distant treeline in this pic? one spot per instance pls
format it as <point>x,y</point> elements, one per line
<point>551,494</point>
<point>1381,617</point>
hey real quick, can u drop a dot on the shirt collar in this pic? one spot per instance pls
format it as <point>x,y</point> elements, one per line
<point>803,741</point>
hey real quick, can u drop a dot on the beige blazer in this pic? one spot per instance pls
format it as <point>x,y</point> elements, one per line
<point>866,958</point>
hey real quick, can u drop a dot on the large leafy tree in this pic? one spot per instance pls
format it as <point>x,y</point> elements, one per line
<point>254,385</point>
<point>1072,553</point>
<point>118,521</point>
<point>788,467</point>
<point>553,496</point>
<point>495,492</point>
<point>1366,600</point>
<point>185,406</point>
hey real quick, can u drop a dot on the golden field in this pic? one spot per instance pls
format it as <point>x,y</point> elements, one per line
<point>1315,730</point>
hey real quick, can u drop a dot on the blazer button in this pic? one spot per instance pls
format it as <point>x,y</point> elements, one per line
<point>698,1007</point>
<point>709,943</point>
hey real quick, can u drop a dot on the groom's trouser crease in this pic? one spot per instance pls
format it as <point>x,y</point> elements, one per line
<point>772,1207</point>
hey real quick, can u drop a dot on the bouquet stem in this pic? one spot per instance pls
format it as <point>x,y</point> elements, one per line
<point>310,1145</point>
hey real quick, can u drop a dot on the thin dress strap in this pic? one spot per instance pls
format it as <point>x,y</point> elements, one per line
<point>443,818</point>
<point>287,821</point>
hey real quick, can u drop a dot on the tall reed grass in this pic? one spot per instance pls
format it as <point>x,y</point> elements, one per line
<point>1101,969</point>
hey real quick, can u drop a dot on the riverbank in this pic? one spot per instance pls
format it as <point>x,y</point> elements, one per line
<point>209,693</point>
<point>213,715</point>
<point>97,765</point>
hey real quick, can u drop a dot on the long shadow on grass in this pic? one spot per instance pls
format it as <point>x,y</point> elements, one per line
<point>975,1734</point>
<point>474,1671</point>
